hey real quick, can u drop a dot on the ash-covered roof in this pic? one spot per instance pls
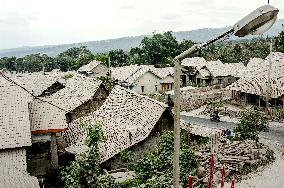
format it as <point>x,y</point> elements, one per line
<point>37,82</point>
<point>89,67</point>
<point>14,116</point>
<point>45,117</point>
<point>255,79</point>
<point>195,62</point>
<point>163,72</point>
<point>76,92</point>
<point>127,119</point>
<point>10,177</point>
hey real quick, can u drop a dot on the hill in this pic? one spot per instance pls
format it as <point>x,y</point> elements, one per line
<point>126,43</point>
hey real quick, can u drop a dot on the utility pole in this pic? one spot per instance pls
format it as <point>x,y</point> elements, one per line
<point>109,71</point>
<point>268,80</point>
<point>176,168</point>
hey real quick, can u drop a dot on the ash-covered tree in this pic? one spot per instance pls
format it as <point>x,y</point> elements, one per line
<point>251,124</point>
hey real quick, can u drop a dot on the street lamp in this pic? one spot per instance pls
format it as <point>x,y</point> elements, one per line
<point>255,23</point>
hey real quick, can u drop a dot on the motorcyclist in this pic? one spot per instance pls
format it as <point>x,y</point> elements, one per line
<point>215,115</point>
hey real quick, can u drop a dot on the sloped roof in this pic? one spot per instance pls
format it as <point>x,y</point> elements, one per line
<point>204,73</point>
<point>15,157</point>
<point>130,74</point>
<point>140,72</point>
<point>37,82</point>
<point>216,68</point>
<point>197,62</point>
<point>10,177</point>
<point>122,73</point>
<point>255,78</point>
<point>76,92</point>
<point>89,67</point>
<point>127,119</point>
<point>163,72</point>
<point>234,69</point>
<point>45,117</point>
<point>14,116</point>
<point>276,56</point>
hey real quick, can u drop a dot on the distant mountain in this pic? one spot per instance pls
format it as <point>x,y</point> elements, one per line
<point>126,43</point>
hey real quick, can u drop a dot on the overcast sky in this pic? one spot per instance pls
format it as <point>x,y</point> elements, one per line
<point>41,22</point>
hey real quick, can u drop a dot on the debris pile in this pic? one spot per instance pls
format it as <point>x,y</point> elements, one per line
<point>234,156</point>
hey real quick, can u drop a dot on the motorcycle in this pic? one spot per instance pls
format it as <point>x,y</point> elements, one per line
<point>214,117</point>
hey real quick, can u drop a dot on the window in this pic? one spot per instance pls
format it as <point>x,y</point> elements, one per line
<point>219,81</point>
<point>156,87</point>
<point>142,89</point>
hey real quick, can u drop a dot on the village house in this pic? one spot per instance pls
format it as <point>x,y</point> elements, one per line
<point>144,79</point>
<point>253,86</point>
<point>197,71</point>
<point>15,135</point>
<point>50,115</point>
<point>80,97</point>
<point>94,69</point>
<point>129,121</point>
<point>189,68</point>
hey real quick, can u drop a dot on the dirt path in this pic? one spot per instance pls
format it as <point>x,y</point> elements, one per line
<point>271,176</point>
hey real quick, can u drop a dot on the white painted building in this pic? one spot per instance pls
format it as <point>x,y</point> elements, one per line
<point>144,79</point>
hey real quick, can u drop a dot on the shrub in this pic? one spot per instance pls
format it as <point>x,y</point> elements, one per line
<point>126,155</point>
<point>251,123</point>
<point>155,168</point>
<point>85,171</point>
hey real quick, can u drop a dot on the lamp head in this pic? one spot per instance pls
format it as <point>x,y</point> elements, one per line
<point>257,22</point>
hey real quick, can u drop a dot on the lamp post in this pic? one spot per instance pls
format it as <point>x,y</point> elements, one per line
<point>257,22</point>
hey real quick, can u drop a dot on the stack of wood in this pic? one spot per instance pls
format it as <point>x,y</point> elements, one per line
<point>234,156</point>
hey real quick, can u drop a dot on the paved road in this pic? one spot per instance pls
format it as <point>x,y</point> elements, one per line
<point>276,130</point>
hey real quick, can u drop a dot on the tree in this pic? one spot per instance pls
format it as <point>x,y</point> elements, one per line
<point>74,58</point>
<point>184,45</point>
<point>159,49</point>
<point>118,58</point>
<point>251,123</point>
<point>85,171</point>
<point>279,41</point>
<point>9,63</point>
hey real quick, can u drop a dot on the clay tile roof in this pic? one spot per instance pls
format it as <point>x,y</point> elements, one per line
<point>163,72</point>
<point>76,92</point>
<point>140,72</point>
<point>122,73</point>
<point>14,116</point>
<point>255,78</point>
<point>10,177</point>
<point>45,117</point>
<point>127,119</point>
<point>37,82</point>
<point>197,62</point>
<point>89,67</point>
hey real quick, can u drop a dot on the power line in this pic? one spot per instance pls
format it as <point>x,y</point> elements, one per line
<point>13,82</point>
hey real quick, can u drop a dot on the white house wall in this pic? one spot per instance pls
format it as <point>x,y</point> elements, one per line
<point>149,81</point>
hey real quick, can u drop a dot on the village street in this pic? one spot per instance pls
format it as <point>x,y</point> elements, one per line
<point>276,130</point>
<point>267,176</point>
